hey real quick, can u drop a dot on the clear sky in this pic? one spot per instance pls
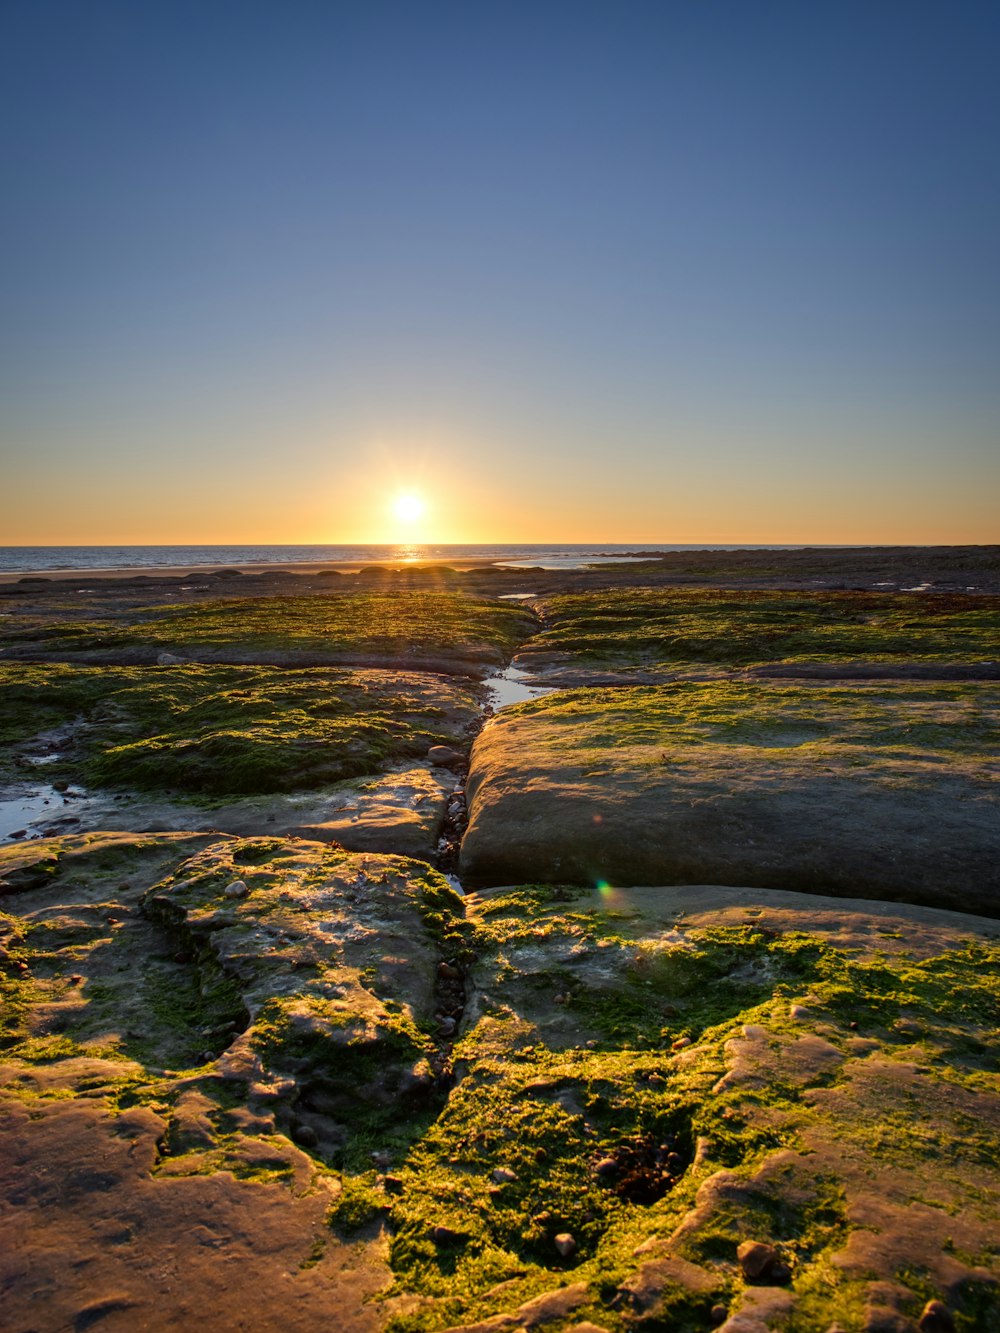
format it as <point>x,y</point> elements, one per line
<point>712,270</point>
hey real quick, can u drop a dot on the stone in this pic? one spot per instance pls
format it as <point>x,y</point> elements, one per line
<point>442,1235</point>
<point>565,1243</point>
<point>443,756</point>
<point>402,811</point>
<point>756,1258</point>
<point>238,889</point>
<point>504,1176</point>
<point>936,1318</point>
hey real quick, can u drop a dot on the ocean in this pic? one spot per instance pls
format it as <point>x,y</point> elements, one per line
<point>33,559</point>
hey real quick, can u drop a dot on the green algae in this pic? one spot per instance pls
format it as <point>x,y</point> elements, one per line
<point>376,624</point>
<point>860,722</point>
<point>547,1113</point>
<point>642,627</point>
<point>225,730</point>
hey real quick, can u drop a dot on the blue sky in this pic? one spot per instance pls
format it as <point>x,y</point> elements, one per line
<point>631,271</point>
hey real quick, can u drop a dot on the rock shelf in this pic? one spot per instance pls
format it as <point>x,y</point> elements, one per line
<point>710,1039</point>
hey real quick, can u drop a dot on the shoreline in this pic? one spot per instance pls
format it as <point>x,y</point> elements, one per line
<point>152,573</point>
<point>969,569</point>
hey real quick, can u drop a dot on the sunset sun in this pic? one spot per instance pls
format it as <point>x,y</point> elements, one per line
<point>408,508</point>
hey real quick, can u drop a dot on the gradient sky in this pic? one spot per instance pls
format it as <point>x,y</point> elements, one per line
<point>721,270</point>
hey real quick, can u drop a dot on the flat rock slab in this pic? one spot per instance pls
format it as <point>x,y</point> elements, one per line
<point>885,791</point>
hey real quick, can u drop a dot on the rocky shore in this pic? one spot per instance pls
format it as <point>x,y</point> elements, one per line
<point>665,1000</point>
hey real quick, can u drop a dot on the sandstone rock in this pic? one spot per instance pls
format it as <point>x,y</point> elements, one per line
<point>756,1258</point>
<point>577,790</point>
<point>144,1254</point>
<point>443,756</point>
<point>552,1305</point>
<point>401,812</point>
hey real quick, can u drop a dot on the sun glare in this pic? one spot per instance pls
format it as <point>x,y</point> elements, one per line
<point>408,508</point>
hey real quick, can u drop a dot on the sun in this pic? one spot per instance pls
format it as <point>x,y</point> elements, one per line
<point>408,508</point>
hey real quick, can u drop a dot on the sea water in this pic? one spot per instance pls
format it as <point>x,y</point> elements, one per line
<point>39,559</point>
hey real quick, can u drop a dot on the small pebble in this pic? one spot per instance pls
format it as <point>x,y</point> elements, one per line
<point>607,1166</point>
<point>504,1176</point>
<point>718,1314</point>
<point>565,1244</point>
<point>680,1043</point>
<point>444,1236</point>
<point>448,972</point>
<point>936,1318</point>
<point>238,889</point>
<point>756,1258</point>
<point>306,1135</point>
